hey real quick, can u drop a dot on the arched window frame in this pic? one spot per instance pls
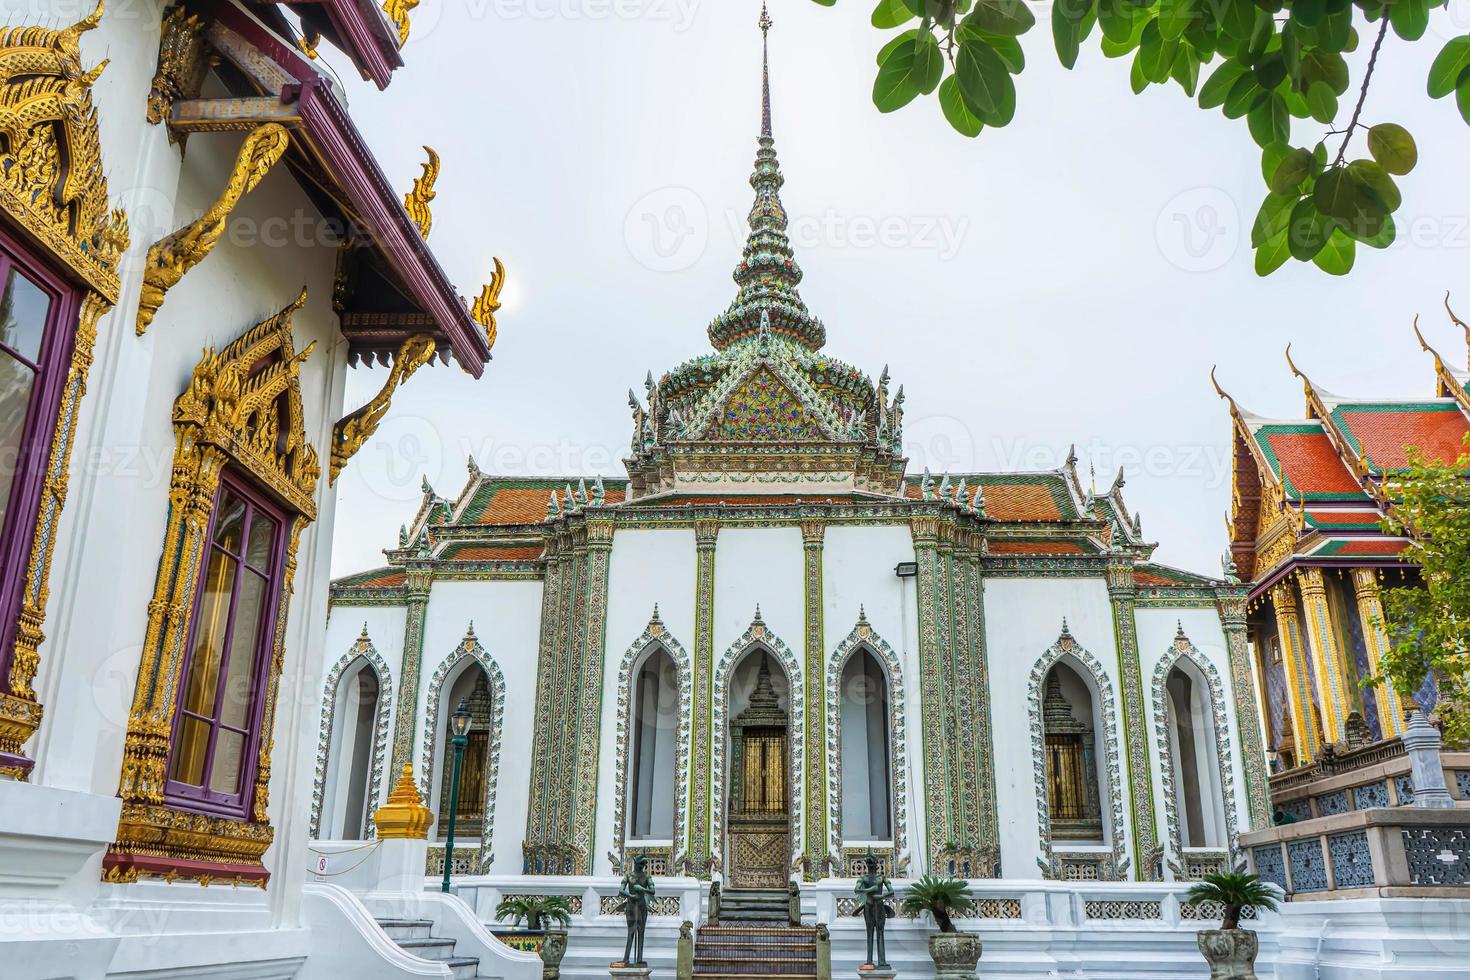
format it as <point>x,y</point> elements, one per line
<point>1110,789</point>
<point>655,637</point>
<point>758,635</point>
<point>361,651</point>
<point>1184,650</point>
<point>469,648</point>
<point>864,637</point>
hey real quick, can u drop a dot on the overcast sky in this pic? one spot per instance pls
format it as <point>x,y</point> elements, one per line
<point>1068,279</point>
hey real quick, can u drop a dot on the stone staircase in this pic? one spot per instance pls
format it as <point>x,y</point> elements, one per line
<point>414,936</point>
<point>754,940</point>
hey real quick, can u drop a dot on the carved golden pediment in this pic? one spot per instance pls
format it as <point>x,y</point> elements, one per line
<point>246,398</point>
<point>51,178</point>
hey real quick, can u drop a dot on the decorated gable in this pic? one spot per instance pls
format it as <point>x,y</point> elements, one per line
<point>763,409</point>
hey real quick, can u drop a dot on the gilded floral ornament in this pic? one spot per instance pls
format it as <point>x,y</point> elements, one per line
<point>174,255</point>
<point>488,303</point>
<point>397,11</point>
<point>416,201</point>
<point>349,434</point>
<point>51,159</point>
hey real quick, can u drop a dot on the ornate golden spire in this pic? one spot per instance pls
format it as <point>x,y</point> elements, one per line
<point>404,816</point>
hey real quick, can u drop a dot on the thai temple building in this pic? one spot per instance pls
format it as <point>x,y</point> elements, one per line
<point>762,655</point>
<point>1306,533</point>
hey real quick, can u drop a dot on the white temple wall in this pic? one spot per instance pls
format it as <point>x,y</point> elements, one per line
<point>1023,619</point>
<point>646,567</point>
<point>507,618</point>
<point>384,627</point>
<point>1156,629</point>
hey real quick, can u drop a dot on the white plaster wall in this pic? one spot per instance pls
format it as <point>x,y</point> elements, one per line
<point>646,567</point>
<point>858,570</point>
<point>1023,618</point>
<point>1156,630</point>
<point>507,618</point>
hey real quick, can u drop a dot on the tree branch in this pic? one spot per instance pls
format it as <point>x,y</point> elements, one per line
<point>1363,92</point>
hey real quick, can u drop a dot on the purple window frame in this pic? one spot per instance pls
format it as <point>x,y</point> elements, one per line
<point>23,508</point>
<point>202,798</point>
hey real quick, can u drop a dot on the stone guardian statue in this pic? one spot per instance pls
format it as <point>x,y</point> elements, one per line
<point>873,889</point>
<point>636,890</point>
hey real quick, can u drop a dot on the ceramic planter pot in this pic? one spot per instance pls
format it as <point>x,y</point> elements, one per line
<point>1231,953</point>
<point>552,951</point>
<point>954,954</point>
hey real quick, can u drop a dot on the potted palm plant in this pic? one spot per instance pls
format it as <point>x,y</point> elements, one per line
<point>548,914</point>
<point>1231,950</point>
<point>955,953</point>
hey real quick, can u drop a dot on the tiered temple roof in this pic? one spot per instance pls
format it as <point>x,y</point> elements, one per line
<point>1315,489</point>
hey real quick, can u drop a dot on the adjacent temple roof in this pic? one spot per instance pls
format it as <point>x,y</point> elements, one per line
<point>1316,488</point>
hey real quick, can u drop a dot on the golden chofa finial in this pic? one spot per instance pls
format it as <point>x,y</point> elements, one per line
<point>404,816</point>
<point>765,21</point>
<point>488,302</point>
<point>1457,321</point>
<point>416,201</point>
<point>397,11</point>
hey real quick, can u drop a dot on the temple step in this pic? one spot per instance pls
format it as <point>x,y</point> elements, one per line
<point>415,937</point>
<point>755,948</point>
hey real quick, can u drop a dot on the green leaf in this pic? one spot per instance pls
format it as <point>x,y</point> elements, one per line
<point>1321,102</point>
<point>1385,235</point>
<point>1449,66</point>
<point>1334,30</point>
<point>1008,48</point>
<point>984,83</point>
<point>1393,148</point>
<point>1340,194</point>
<point>1116,20</point>
<point>1294,168</point>
<point>1273,217</point>
<point>1244,95</point>
<point>1237,18</point>
<point>1186,69</point>
<point>1335,257</point>
<point>1273,254</point>
<point>892,13</point>
<point>1071,21</point>
<point>1409,18</point>
<point>1270,122</point>
<point>1217,86</point>
<point>898,78</point>
<point>1324,66</point>
<point>1175,16</point>
<point>1006,17</point>
<point>1462,98</point>
<point>960,117</point>
<point>928,62</point>
<point>1156,53</point>
<point>1270,71</point>
<point>1376,180</point>
<point>1308,230</point>
<point>1308,12</point>
<point>1137,78</point>
<point>888,48</point>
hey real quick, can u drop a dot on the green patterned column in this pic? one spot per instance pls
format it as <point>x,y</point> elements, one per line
<point>591,645</point>
<point>963,670</point>
<point>541,816</point>
<point>987,829</point>
<point>405,723</point>
<point>938,799</point>
<point>701,783</point>
<point>815,708</point>
<point>1147,848</point>
<point>1232,605</point>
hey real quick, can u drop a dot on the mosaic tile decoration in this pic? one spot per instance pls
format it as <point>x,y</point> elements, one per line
<point>363,650</point>
<point>1183,650</point>
<point>1352,864</point>
<point>1308,868</point>
<point>1438,856</point>
<point>1108,742</point>
<point>1270,866</point>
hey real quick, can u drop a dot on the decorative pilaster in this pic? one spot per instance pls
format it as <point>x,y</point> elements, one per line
<point>938,799</point>
<point>1375,638</point>
<point>987,829</point>
<point>944,621</point>
<point>538,813</point>
<point>815,717</point>
<point>1232,606</point>
<point>705,534</point>
<point>594,642</point>
<point>1122,593</point>
<point>406,715</point>
<point>1327,654</point>
<point>1298,682</point>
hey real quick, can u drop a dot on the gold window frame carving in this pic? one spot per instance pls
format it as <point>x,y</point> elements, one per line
<point>54,193</point>
<point>229,416</point>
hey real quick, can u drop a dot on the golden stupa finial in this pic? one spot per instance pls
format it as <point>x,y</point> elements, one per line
<point>404,816</point>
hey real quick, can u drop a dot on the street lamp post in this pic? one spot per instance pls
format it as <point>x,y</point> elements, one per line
<point>459,726</point>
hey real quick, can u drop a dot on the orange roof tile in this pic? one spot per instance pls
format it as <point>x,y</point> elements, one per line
<point>1306,460</point>
<point>386,580</point>
<point>1036,548</point>
<point>1382,433</point>
<point>502,552</point>
<point>1149,578</point>
<point>519,501</point>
